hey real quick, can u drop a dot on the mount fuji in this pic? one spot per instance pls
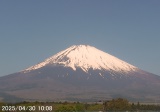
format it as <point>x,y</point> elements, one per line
<point>80,73</point>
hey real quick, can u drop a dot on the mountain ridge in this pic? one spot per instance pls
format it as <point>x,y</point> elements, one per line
<point>83,56</point>
<point>81,72</point>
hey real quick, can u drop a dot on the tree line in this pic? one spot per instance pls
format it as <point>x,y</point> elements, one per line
<point>113,105</point>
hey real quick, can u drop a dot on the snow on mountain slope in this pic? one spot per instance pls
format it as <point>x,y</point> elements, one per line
<point>80,72</point>
<point>85,57</point>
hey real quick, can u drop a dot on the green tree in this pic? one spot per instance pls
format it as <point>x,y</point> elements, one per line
<point>80,107</point>
<point>117,105</point>
<point>65,108</point>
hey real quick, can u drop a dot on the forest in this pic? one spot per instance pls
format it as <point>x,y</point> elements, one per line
<point>114,105</point>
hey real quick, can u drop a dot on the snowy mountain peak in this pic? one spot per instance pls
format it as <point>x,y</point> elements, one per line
<point>85,57</point>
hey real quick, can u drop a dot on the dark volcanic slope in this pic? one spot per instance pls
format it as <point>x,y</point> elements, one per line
<point>77,74</point>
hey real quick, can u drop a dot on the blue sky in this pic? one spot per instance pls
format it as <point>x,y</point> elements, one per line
<point>31,31</point>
